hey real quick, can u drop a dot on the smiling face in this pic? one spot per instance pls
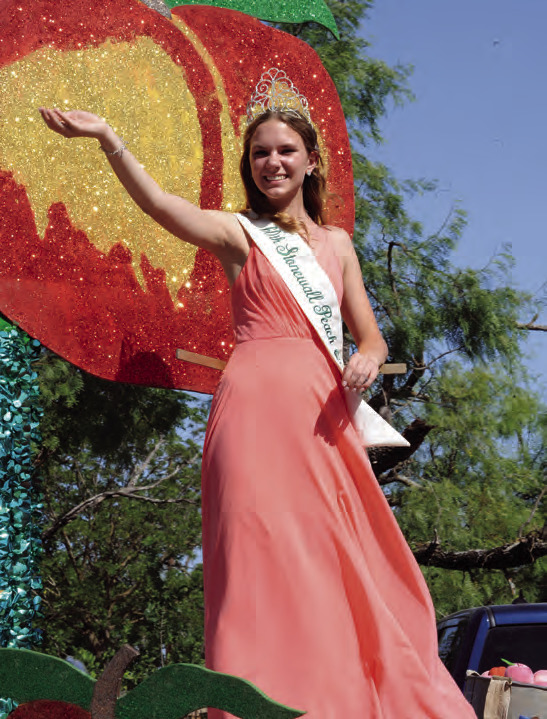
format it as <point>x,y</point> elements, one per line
<point>278,162</point>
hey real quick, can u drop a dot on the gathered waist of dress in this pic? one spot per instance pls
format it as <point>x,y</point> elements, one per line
<point>281,338</point>
<point>307,348</point>
<point>272,330</point>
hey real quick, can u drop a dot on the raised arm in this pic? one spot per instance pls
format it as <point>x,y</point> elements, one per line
<point>363,365</point>
<point>219,232</point>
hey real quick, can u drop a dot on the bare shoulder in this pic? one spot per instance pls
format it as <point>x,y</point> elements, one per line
<point>341,242</point>
<point>339,237</point>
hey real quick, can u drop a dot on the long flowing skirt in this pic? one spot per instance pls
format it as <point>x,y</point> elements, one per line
<point>312,592</point>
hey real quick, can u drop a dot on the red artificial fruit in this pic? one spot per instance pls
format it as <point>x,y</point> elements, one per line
<point>497,672</point>
<point>87,304</point>
<point>48,709</point>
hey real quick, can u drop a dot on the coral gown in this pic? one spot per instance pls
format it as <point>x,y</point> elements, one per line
<point>311,591</point>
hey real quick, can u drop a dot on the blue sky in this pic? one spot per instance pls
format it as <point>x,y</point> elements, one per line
<point>478,125</point>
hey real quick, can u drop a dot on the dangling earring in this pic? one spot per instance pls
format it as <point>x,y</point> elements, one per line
<point>308,172</point>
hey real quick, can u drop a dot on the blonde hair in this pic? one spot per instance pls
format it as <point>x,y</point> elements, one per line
<point>314,188</point>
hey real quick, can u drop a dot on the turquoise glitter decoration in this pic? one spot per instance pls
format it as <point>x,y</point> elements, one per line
<point>19,501</point>
<point>275,10</point>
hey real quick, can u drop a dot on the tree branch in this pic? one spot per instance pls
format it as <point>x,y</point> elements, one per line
<point>71,557</point>
<point>394,476</point>
<point>378,303</point>
<point>524,551</point>
<point>390,247</point>
<point>92,502</point>
<point>141,468</point>
<point>116,599</point>
<point>531,326</point>
<point>424,367</point>
<point>534,510</point>
<point>383,459</point>
<point>156,500</point>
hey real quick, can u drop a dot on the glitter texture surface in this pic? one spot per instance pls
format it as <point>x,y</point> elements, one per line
<point>276,10</point>
<point>159,6</point>
<point>81,268</point>
<point>77,172</point>
<point>20,507</point>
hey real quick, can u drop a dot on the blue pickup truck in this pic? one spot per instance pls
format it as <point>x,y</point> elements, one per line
<point>480,638</point>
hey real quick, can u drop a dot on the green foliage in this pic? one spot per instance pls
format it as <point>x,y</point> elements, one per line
<point>479,480</point>
<point>424,303</point>
<point>120,466</point>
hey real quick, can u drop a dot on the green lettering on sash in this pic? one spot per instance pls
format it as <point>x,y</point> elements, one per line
<point>274,232</point>
<point>290,257</point>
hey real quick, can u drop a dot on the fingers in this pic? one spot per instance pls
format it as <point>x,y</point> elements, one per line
<point>52,120</point>
<point>359,373</point>
<point>57,121</point>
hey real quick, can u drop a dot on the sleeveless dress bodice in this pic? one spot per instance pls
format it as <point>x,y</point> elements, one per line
<point>252,301</point>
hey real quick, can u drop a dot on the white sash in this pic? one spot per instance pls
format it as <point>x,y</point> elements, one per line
<point>311,287</point>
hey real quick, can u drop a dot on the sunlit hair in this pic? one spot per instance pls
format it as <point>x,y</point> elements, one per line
<point>314,189</point>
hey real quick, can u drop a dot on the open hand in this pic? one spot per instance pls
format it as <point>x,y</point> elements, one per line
<point>360,372</point>
<point>74,123</point>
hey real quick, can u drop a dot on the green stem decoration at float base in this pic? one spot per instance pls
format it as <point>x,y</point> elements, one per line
<point>20,506</point>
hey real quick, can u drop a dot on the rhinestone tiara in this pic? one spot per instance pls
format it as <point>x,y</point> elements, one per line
<point>275,91</point>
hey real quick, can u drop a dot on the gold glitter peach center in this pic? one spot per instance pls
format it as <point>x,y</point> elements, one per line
<point>144,96</point>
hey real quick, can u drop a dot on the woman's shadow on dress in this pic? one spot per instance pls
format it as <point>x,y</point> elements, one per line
<point>333,418</point>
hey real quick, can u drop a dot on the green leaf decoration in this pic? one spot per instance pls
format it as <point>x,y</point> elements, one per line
<point>275,10</point>
<point>177,690</point>
<point>27,676</point>
<point>170,693</point>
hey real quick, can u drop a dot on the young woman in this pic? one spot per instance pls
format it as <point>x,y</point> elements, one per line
<point>311,591</point>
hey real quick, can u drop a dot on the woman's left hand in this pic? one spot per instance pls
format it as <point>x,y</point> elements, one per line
<point>360,372</point>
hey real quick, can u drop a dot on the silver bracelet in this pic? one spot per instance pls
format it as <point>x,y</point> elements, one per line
<point>119,151</point>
